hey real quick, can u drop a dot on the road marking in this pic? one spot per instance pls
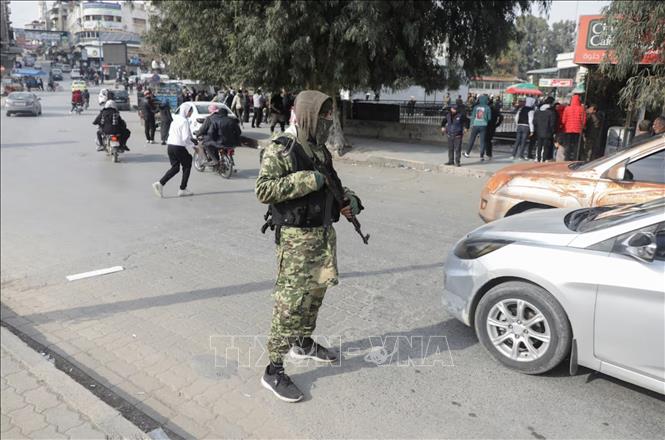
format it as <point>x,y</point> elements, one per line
<point>94,273</point>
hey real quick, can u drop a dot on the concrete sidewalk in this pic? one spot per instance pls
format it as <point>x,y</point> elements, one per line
<point>40,401</point>
<point>422,156</point>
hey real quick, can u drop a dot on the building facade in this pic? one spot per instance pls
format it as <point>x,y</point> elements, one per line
<point>8,48</point>
<point>91,24</point>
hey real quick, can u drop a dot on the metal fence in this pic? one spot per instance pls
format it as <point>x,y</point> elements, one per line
<point>419,113</point>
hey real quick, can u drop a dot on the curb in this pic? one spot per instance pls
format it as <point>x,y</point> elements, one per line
<point>100,414</point>
<point>391,162</point>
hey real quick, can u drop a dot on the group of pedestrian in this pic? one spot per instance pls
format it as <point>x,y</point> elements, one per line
<point>574,130</point>
<point>484,118</point>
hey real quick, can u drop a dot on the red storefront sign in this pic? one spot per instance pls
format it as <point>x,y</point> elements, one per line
<point>593,42</point>
<point>555,82</point>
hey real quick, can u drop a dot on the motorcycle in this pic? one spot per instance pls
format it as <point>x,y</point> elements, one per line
<point>111,144</point>
<point>225,162</point>
<point>78,108</point>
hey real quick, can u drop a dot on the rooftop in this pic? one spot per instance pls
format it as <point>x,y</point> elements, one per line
<point>545,70</point>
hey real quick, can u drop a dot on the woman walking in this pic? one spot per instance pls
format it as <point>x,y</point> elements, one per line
<point>180,137</point>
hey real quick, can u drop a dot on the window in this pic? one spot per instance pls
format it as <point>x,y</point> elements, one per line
<point>648,169</point>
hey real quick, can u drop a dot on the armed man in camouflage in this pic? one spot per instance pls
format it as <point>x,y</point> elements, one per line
<point>303,211</point>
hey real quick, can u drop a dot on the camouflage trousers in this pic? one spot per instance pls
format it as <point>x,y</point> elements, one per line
<point>294,317</point>
<point>307,266</point>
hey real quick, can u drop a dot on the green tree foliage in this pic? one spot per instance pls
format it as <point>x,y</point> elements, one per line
<point>535,46</point>
<point>636,29</point>
<point>331,44</point>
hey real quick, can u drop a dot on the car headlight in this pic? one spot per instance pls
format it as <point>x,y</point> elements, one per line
<point>470,248</point>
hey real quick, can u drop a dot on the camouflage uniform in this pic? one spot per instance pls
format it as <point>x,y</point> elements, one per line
<point>306,257</point>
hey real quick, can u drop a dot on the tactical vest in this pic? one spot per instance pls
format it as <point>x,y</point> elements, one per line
<point>318,208</point>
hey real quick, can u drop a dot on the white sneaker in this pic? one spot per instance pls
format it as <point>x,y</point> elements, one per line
<point>466,154</point>
<point>184,193</point>
<point>158,188</point>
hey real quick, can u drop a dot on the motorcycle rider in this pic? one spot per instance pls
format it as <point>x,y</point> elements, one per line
<point>110,123</point>
<point>77,99</point>
<point>223,132</point>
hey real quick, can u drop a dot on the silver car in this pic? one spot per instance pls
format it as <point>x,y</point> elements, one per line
<point>587,284</point>
<point>23,102</point>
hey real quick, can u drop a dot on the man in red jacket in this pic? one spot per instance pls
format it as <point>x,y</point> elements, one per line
<point>573,120</point>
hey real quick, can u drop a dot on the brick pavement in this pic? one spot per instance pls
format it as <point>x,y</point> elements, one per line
<point>41,402</point>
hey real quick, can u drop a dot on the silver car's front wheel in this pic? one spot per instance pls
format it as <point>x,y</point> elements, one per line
<point>523,326</point>
<point>518,329</point>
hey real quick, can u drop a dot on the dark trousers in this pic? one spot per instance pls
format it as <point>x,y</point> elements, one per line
<point>164,130</point>
<point>544,148</point>
<point>520,140</point>
<point>149,125</point>
<point>122,137</point>
<point>454,148</point>
<point>238,113</point>
<point>213,152</point>
<point>478,130</point>
<point>490,136</point>
<point>178,156</point>
<point>257,117</point>
<point>277,119</point>
<point>571,142</point>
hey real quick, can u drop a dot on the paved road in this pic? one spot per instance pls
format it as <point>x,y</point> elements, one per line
<point>197,269</point>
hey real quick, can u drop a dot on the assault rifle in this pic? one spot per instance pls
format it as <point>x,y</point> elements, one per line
<point>338,192</point>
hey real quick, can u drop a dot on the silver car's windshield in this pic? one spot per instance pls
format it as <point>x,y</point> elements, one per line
<point>19,96</point>
<point>592,219</point>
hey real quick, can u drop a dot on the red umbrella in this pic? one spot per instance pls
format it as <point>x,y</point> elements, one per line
<point>524,89</point>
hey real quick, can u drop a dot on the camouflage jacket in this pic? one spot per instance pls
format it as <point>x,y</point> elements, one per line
<point>277,181</point>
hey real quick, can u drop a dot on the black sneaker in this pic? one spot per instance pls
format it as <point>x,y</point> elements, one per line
<point>281,386</point>
<point>448,163</point>
<point>311,350</point>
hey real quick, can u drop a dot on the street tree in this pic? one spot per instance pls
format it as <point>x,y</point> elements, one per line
<point>637,30</point>
<point>535,46</point>
<point>333,44</point>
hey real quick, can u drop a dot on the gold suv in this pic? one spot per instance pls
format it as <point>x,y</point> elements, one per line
<point>634,175</point>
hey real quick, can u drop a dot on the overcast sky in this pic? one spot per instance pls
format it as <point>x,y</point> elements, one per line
<point>25,11</point>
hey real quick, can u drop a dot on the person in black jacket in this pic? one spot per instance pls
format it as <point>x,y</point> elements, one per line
<point>110,122</point>
<point>454,125</point>
<point>496,119</point>
<point>165,119</point>
<point>148,113</point>
<point>222,132</point>
<point>545,124</point>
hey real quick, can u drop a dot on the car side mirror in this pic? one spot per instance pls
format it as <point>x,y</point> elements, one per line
<point>618,171</point>
<point>641,245</point>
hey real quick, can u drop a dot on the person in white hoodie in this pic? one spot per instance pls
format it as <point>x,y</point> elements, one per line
<point>524,119</point>
<point>180,137</point>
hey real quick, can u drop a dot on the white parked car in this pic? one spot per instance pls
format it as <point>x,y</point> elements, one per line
<point>588,284</point>
<point>75,74</point>
<point>200,112</point>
